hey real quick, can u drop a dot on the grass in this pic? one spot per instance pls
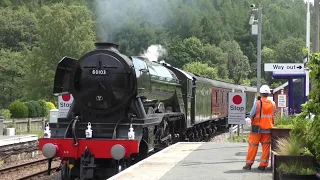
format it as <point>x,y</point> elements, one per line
<point>39,133</point>
<point>296,168</point>
<point>238,139</point>
<point>284,121</point>
<point>289,146</point>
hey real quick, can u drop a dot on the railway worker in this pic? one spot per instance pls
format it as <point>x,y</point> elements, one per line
<point>261,129</point>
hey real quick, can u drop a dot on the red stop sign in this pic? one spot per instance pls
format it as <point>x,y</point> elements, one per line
<point>66,97</point>
<point>237,99</point>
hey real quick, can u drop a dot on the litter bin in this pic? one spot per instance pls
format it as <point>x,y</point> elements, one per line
<point>1,125</point>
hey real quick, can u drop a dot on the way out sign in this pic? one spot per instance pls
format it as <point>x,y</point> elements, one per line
<point>64,102</point>
<point>237,108</point>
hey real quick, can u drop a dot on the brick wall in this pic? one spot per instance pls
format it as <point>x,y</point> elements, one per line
<point>275,97</point>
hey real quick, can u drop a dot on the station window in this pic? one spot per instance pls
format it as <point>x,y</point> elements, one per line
<point>222,97</point>
<point>216,97</point>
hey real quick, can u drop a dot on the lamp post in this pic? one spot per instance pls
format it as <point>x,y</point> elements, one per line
<point>308,47</point>
<point>256,30</point>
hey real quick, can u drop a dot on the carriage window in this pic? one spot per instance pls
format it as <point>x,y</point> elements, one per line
<point>216,97</point>
<point>222,97</point>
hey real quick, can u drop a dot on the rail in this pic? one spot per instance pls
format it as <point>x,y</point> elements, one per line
<point>28,166</point>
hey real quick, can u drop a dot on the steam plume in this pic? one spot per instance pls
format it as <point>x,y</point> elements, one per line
<point>155,52</point>
<point>116,15</point>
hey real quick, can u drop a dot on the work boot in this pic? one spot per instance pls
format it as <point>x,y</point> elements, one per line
<point>247,167</point>
<point>261,168</point>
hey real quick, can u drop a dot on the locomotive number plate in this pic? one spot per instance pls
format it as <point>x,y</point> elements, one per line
<point>99,72</point>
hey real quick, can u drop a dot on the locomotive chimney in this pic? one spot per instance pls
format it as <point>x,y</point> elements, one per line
<point>106,45</point>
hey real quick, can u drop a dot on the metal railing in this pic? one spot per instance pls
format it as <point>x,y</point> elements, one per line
<point>236,130</point>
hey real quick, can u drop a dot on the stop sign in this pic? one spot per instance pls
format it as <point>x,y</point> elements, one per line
<point>236,108</point>
<point>65,101</point>
<point>237,99</point>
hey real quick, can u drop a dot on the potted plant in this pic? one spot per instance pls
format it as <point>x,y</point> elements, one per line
<point>294,170</point>
<point>288,149</point>
<point>283,126</point>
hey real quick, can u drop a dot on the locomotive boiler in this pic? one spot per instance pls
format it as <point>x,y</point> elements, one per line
<point>126,107</point>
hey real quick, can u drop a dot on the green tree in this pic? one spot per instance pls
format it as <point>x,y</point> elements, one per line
<point>201,69</point>
<point>11,76</point>
<point>17,28</point>
<point>238,64</point>
<point>289,50</point>
<point>63,31</point>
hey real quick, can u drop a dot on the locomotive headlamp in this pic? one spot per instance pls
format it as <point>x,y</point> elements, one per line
<point>49,150</point>
<point>117,152</point>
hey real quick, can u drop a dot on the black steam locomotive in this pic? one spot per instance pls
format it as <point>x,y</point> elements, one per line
<point>126,107</point>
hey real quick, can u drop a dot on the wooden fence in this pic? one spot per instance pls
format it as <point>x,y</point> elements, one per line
<point>25,125</point>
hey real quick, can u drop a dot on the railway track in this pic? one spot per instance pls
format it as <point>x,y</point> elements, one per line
<point>39,174</point>
<point>26,167</point>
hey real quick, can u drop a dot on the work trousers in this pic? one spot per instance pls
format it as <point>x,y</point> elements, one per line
<point>254,139</point>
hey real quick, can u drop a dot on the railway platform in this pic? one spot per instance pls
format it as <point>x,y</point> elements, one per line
<point>10,140</point>
<point>189,161</point>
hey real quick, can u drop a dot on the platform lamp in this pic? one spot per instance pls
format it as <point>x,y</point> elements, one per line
<point>256,26</point>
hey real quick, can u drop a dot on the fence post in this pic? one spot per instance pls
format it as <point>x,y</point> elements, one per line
<point>29,125</point>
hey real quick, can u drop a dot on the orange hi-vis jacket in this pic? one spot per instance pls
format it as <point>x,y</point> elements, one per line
<point>267,114</point>
<point>265,122</point>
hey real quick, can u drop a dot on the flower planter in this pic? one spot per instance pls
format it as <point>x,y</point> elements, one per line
<point>308,161</point>
<point>297,177</point>
<point>277,133</point>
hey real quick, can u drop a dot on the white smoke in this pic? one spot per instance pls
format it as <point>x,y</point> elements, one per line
<point>154,52</point>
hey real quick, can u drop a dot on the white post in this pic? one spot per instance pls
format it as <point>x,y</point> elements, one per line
<point>231,131</point>
<point>308,47</point>
<point>308,27</point>
<point>281,107</point>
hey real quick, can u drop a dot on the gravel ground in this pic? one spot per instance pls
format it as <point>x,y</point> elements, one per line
<point>53,176</point>
<point>27,171</point>
<point>221,138</point>
<point>36,157</point>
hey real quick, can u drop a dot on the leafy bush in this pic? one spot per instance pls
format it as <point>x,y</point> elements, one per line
<point>50,106</point>
<point>44,109</point>
<point>37,108</point>
<point>312,105</point>
<point>31,109</point>
<point>301,129</point>
<point>18,110</point>
<point>284,121</point>
<point>5,113</point>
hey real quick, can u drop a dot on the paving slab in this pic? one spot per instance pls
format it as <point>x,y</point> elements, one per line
<point>189,161</point>
<point>9,140</point>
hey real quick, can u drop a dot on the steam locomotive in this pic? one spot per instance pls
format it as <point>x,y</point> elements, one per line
<point>127,107</point>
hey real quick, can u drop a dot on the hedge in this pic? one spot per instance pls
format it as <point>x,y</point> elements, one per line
<point>18,110</point>
<point>44,109</point>
<point>30,109</point>
<point>5,113</point>
<point>37,108</point>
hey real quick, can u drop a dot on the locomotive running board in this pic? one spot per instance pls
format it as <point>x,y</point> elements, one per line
<point>156,118</point>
